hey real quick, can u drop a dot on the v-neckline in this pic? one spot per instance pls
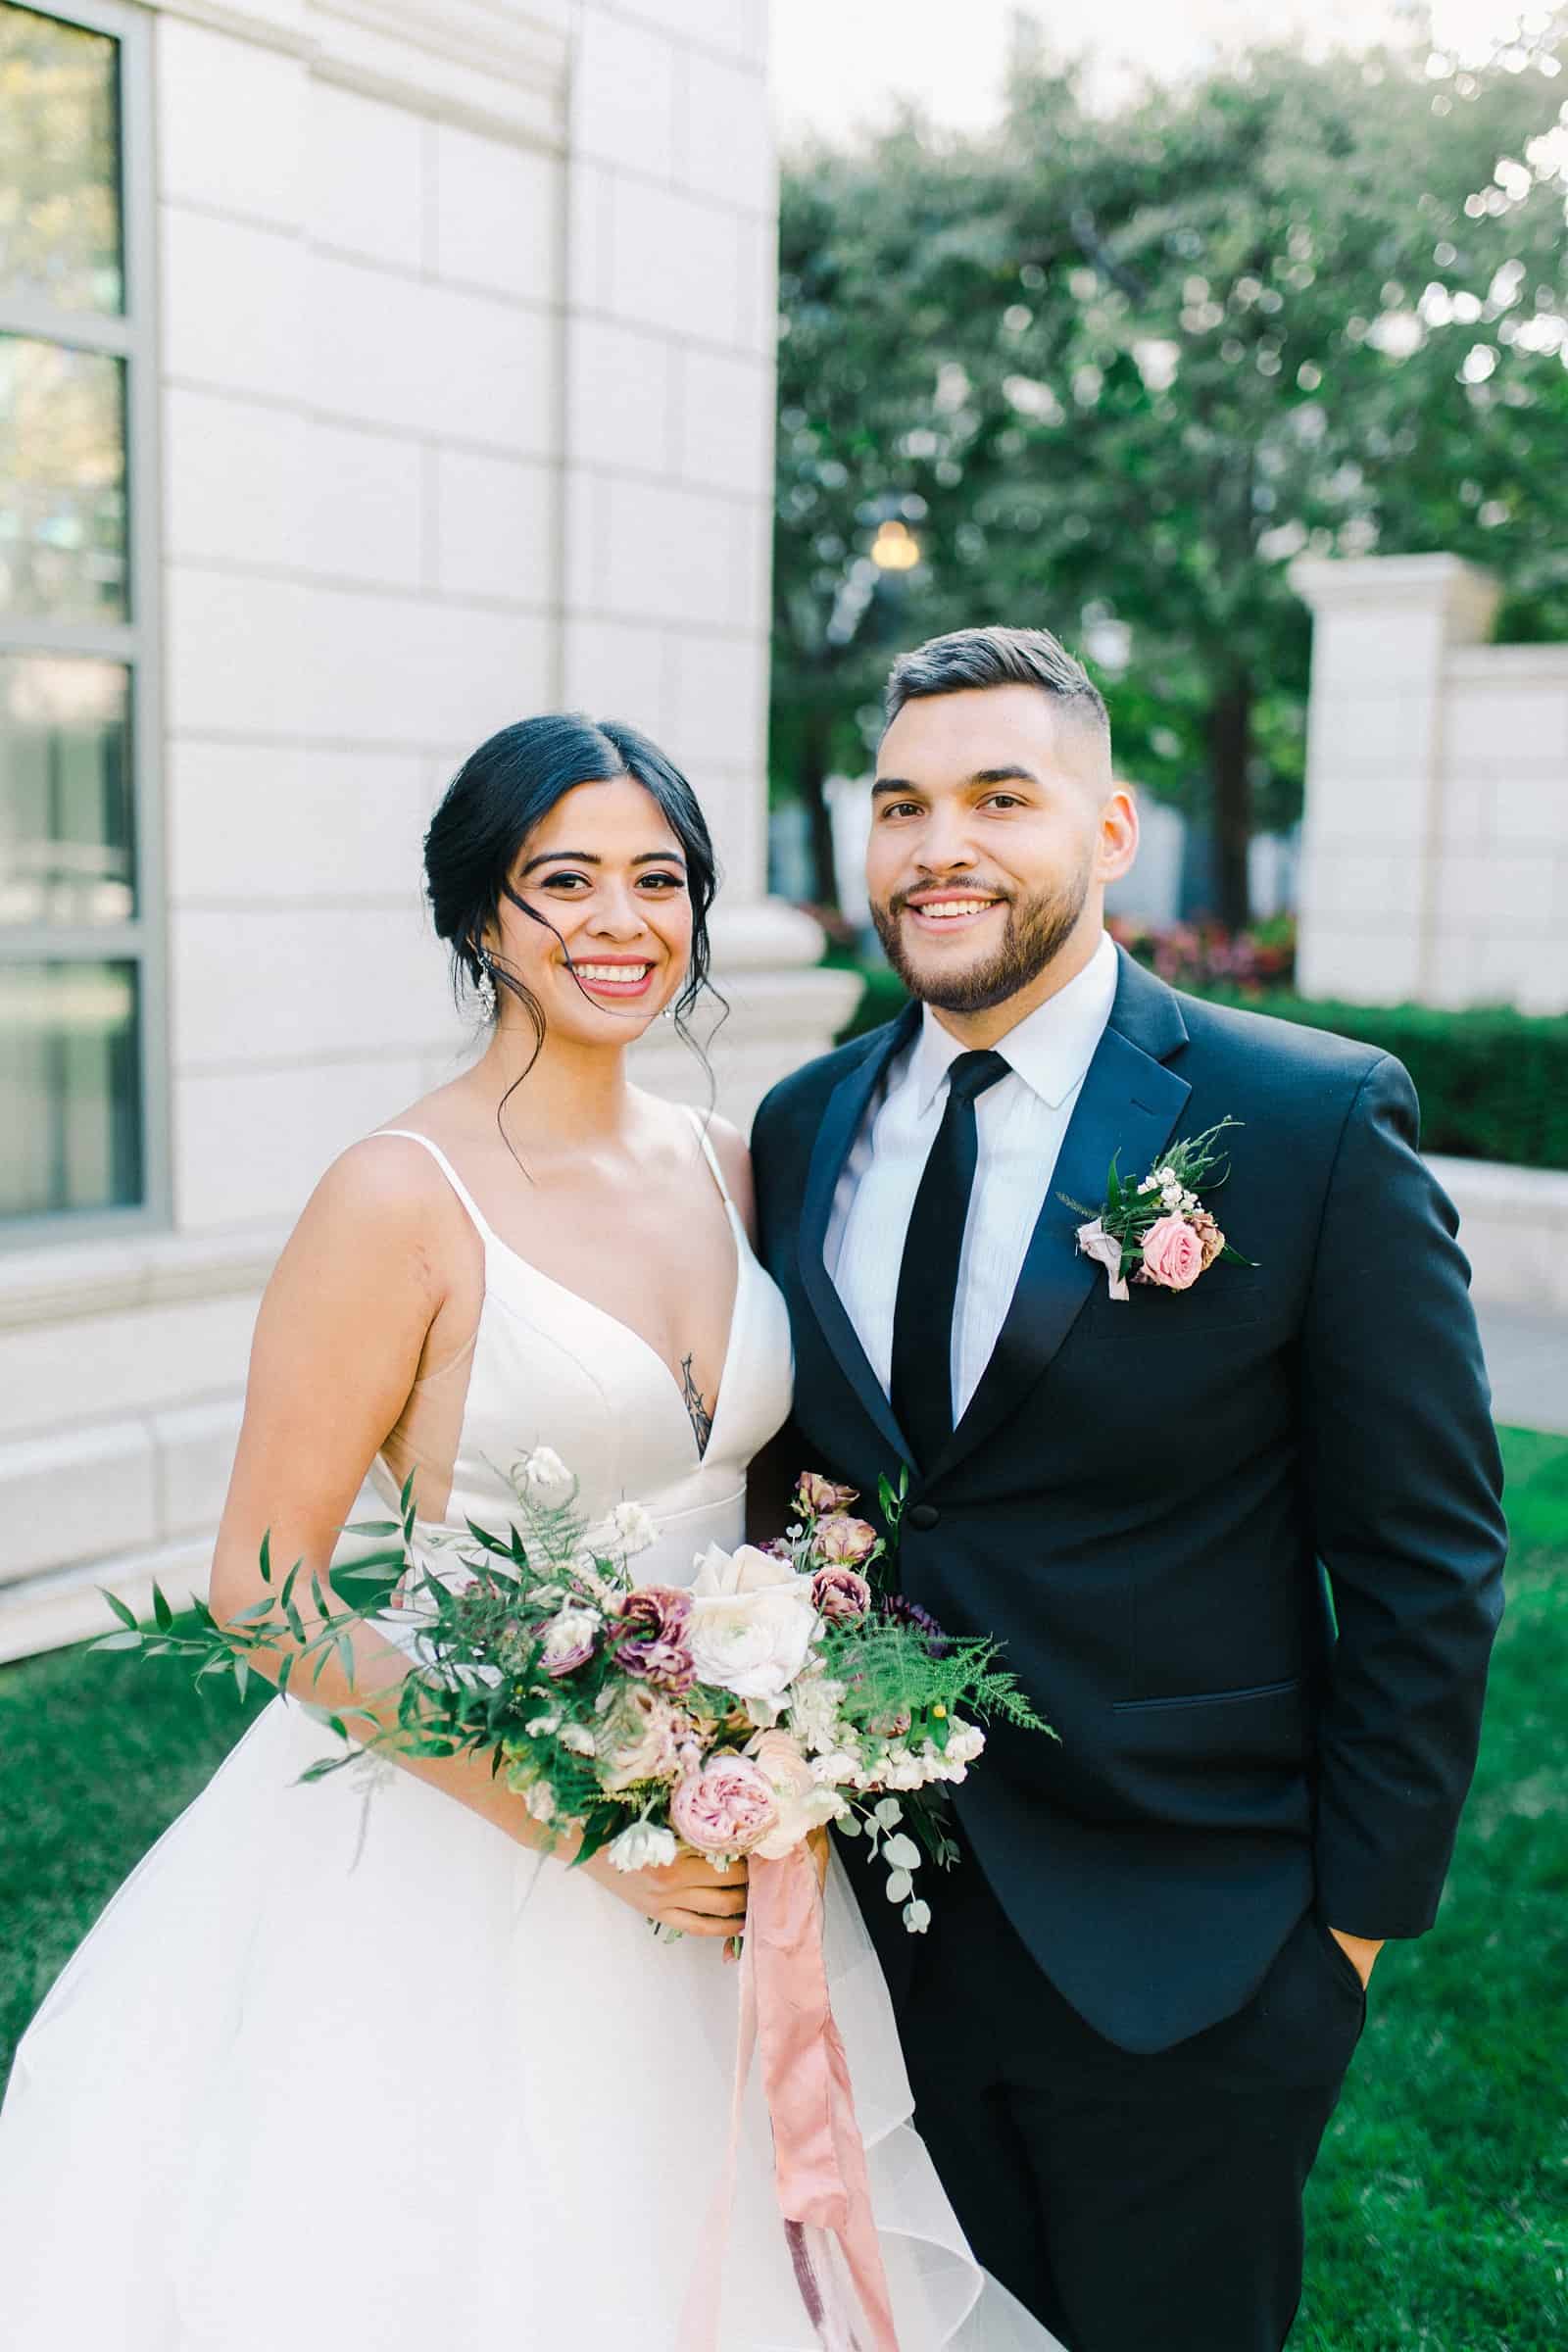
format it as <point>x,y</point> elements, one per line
<point>744,1259</point>
<point>493,1240</point>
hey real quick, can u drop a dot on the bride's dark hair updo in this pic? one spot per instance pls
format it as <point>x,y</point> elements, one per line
<point>505,789</point>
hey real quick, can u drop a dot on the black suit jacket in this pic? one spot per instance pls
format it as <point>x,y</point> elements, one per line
<point>1243,1543</point>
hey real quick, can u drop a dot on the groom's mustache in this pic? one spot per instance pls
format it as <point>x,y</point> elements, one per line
<point>956,888</point>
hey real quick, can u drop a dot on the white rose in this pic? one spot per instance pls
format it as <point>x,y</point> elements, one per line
<point>835,1766</point>
<point>545,1473</point>
<point>642,1847</point>
<point>577,1740</point>
<point>752,1621</point>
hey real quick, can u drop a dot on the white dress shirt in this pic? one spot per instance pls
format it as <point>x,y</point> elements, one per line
<point>1020,1123</point>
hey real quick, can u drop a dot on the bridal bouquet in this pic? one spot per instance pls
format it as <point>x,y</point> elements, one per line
<point>784,1689</point>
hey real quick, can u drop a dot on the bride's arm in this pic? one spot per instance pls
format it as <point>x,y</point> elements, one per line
<point>338,1342</point>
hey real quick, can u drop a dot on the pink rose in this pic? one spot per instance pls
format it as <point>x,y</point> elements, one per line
<point>725,1808</point>
<point>1173,1255</point>
<point>815,1494</point>
<point>840,1595</point>
<point>843,1542</point>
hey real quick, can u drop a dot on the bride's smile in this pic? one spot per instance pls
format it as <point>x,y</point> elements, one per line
<point>595,919</point>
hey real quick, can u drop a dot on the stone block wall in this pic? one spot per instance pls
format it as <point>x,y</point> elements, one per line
<point>1434,866</point>
<point>465,316</point>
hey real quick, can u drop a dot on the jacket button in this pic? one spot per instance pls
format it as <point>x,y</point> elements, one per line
<point>925,1516</point>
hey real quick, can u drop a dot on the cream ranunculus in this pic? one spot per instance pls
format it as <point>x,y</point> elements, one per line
<point>752,1621</point>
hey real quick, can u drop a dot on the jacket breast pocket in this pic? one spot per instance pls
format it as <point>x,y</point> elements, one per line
<point>1208,1699</point>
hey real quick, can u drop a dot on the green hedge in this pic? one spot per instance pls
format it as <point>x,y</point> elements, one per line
<point>1494,1085</point>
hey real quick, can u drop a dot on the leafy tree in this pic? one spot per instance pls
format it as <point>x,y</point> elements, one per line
<point>1115,369</point>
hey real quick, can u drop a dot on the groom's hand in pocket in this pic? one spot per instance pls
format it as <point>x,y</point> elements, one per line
<point>688,1893</point>
<point>1360,1951</point>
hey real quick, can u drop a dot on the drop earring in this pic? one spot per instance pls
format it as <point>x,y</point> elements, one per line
<point>484,988</point>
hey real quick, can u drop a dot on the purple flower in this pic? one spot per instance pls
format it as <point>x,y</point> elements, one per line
<point>650,1636</point>
<point>840,1595</point>
<point>904,1611</point>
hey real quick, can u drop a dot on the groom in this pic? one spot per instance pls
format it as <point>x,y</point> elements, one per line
<point>1242,1539</point>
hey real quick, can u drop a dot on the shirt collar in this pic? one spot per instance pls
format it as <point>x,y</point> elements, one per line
<point>1050,1049</point>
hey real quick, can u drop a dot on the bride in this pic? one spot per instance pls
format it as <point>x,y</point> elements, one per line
<point>358,2063</point>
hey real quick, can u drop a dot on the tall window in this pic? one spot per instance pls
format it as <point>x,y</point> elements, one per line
<point>81,1012</point>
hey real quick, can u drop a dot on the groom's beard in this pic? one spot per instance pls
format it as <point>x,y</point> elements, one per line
<point>1038,928</point>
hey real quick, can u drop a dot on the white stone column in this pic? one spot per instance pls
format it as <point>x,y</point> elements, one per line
<point>671,309</point>
<point>1383,629</point>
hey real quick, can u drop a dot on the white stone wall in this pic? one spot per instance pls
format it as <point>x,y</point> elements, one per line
<point>465,319</point>
<point>1435,862</point>
<point>362,338</point>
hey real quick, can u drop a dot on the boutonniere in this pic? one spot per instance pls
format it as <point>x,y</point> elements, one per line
<point>1157,1229</point>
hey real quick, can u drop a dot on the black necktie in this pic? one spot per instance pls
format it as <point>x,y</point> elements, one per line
<point>928,1277</point>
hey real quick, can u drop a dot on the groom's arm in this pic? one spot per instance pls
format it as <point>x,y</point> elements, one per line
<point>1404,1487</point>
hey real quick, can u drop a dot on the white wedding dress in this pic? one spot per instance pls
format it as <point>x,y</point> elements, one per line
<point>344,2066</point>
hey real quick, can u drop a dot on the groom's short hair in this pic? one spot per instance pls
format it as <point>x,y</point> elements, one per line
<point>995,657</point>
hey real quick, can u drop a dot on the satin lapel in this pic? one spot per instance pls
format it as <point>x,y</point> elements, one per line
<point>841,1121</point>
<point>1129,1105</point>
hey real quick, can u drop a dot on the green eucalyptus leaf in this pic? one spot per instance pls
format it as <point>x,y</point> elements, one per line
<point>255,1613</point>
<point>374,1564</point>
<point>162,1612</point>
<point>126,1616</point>
<point>121,1640</point>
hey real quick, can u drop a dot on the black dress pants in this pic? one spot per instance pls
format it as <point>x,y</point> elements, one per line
<point>1136,2203</point>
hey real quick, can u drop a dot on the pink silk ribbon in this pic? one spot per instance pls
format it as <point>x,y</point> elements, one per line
<point>819,2160</point>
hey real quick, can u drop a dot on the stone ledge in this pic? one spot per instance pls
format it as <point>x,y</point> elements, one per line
<point>1513,1227</point>
<point>48,1611</point>
<point>74,1279</point>
<point>492,67</point>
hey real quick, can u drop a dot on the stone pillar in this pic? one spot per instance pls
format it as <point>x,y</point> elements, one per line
<point>1383,630</point>
<point>670,311</point>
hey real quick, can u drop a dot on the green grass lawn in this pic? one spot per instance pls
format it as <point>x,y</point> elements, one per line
<point>1437,2216</point>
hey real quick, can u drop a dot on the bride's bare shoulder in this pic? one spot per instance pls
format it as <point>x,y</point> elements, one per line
<point>734,1156</point>
<point>385,1201</point>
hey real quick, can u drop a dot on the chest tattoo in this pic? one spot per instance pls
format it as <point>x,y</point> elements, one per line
<point>701,1420</point>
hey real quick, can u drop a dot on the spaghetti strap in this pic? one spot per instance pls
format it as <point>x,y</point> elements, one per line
<point>413,1136</point>
<point>710,1155</point>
